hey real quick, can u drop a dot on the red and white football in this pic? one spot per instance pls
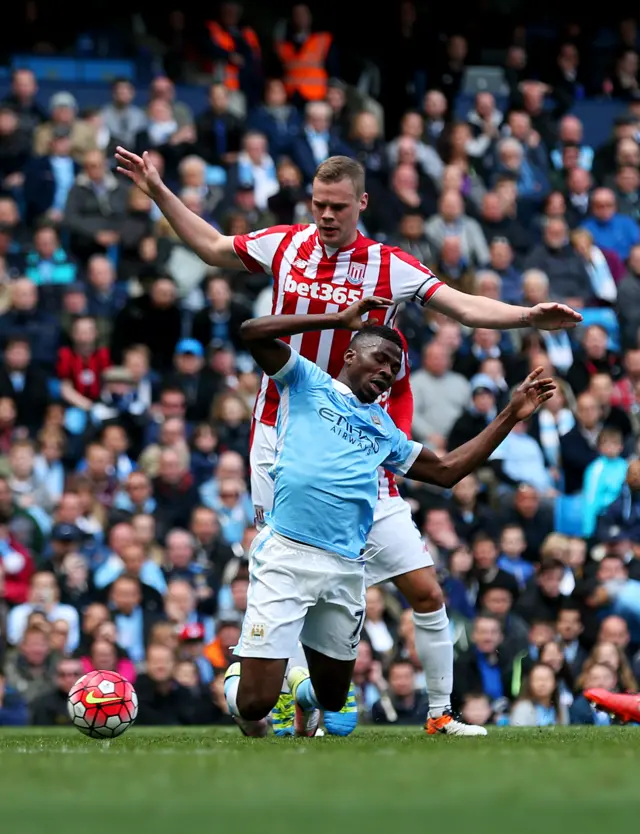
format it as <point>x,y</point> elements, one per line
<point>102,704</point>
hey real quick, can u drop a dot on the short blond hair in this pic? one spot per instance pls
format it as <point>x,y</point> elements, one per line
<point>338,168</point>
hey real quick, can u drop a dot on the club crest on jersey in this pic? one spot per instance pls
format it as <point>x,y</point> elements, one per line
<point>375,419</point>
<point>355,273</point>
<point>258,631</point>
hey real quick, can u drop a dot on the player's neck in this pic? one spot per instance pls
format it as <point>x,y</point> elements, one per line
<point>344,379</point>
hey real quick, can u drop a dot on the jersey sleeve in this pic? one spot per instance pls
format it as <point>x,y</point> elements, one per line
<point>403,453</point>
<point>410,280</point>
<point>300,374</point>
<point>257,250</point>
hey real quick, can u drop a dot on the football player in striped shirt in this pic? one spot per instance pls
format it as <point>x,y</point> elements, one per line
<point>323,268</point>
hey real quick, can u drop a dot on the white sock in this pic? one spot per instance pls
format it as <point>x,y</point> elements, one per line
<point>231,693</point>
<point>435,650</point>
<point>299,659</point>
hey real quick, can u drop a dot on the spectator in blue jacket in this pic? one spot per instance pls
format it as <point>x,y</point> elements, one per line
<point>624,512</point>
<point>278,120</point>
<point>603,478</point>
<point>609,229</point>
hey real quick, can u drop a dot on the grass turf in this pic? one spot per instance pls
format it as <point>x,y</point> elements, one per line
<point>197,781</point>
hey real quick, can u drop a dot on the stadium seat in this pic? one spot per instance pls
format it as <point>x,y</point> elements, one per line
<point>568,515</point>
<point>598,118</point>
<point>484,79</point>
<point>47,68</point>
<point>96,71</point>
<point>605,317</point>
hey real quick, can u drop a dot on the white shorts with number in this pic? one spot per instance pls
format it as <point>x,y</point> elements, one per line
<point>394,545</point>
<point>301,593</point>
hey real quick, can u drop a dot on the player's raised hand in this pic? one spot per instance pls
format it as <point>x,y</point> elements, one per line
<point>531,394</point>
<point>352,317</point>
<point>553,316</point>
<point>140,170</point>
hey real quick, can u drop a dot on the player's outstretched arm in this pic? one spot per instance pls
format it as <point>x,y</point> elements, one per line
<point>451,468</point>
<point>479,311</point>
<point>214,248</point>
<point>263,335</point>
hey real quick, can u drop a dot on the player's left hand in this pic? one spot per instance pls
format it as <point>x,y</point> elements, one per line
<point>352,317</point>
<point>531,394</point>
<point>554,316</point>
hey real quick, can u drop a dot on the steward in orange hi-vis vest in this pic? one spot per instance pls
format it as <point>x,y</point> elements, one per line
<point>304,66</point>
<point>225,71</point>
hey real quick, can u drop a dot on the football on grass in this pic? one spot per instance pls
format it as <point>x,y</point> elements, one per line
<point>102,704</point>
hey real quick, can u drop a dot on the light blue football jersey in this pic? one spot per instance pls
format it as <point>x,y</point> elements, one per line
<point>328,451</point>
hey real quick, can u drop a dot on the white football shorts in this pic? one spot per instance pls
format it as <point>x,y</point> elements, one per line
<point>298,592</point>
<point>394,546</point>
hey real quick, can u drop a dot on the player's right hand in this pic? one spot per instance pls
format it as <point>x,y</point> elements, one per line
<point>140,170</point>
<point>352,317</point>
<point>530,395</point>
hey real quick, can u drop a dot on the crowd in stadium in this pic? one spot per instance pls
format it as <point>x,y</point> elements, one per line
<point>126,393</point>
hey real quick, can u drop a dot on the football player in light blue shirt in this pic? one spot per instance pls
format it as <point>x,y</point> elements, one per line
<point>307,564</point>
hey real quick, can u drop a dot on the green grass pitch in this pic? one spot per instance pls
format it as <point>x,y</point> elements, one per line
<point>208,781</point>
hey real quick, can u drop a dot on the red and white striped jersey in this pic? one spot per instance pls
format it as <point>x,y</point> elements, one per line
<point>398,402</point>
<point>311,278</point>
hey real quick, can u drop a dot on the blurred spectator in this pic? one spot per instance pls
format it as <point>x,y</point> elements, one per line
<point>439,394</point>
<point>162,701</point>
<point>317,140</point>
<point>63,115</point>
<point>95,208</point>
<point>402,704</point>
<point>50,709</point>
<point>44,597</point>
<point>539,705</point>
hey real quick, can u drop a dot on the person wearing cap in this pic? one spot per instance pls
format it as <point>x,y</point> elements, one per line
<point>190,377</point>
<point>192,636</point>
<point>63,539</point>
<point>63,111</point>
<point>481,412</point>
<point>118,401</point>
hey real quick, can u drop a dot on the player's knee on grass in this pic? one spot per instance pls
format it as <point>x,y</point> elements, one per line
<point>259,687</point>
<point>421,590</point>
